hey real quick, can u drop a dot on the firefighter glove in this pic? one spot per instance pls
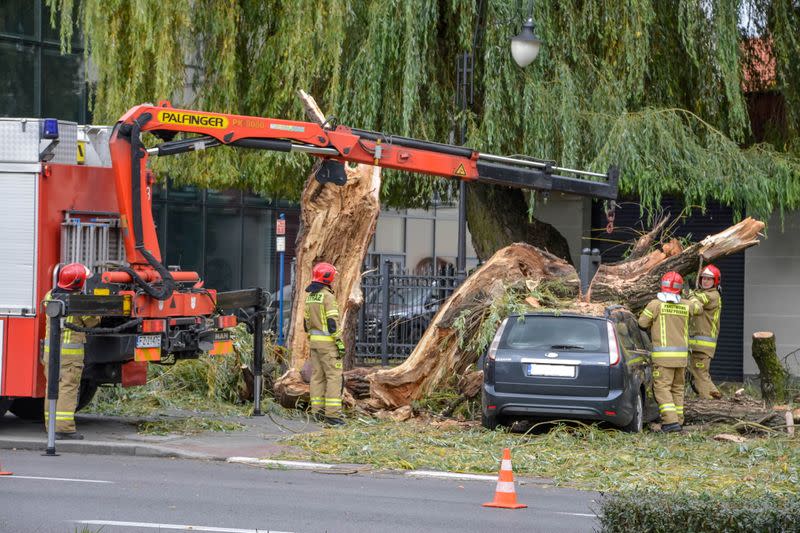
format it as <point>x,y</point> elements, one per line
<point>340,347</point>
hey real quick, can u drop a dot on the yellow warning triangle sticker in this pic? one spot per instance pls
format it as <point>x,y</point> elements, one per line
<point>460,171</point>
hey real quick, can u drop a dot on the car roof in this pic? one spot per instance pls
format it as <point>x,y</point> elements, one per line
<point>591,312</point>
<point>555,313</point>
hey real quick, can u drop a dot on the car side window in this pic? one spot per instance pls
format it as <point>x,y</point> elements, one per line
<point>639,338</point>
<point>623,333</point>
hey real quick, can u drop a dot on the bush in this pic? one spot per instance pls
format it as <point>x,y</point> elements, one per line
<point>655,512</point>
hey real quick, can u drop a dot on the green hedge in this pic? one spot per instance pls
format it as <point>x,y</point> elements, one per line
<point>657,512</point>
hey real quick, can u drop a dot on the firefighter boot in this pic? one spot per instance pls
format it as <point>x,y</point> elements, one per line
<point>671,428</point>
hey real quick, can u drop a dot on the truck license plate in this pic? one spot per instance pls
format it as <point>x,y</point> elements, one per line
<point>148,341</point>
<point>560,371</point>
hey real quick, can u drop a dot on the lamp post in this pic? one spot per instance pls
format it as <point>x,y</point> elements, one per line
<point>524,49</point>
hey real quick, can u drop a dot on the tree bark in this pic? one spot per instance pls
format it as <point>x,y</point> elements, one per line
<point>773,376</point>
<point>498,217</point>
<point>336,226</point>
<point>438,355</point>
<point>291,390</point>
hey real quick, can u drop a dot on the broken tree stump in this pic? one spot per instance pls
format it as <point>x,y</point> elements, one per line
<point>773,376</point>
<point>336,226</point>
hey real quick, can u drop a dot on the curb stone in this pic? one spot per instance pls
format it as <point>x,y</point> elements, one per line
<point>105,448</point>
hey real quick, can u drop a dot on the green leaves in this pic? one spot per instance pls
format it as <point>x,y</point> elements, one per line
<point>653,86</point>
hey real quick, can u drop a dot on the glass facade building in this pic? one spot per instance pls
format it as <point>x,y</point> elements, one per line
<point>37,80</point>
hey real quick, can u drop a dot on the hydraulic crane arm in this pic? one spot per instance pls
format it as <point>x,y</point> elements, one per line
<point>334,146</point>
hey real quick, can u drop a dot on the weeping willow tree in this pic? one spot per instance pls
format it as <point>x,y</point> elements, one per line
<point>653,86</point>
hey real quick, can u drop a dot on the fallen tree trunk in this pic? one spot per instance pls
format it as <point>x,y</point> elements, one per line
<point>635,281</point>
<point>439,353</point>
<point>772,375</point>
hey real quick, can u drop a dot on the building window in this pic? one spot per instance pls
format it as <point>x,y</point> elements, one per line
<point>38,80</point>
<point>227,236</point>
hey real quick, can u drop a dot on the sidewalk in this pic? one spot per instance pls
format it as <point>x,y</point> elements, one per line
<point>107,435</point>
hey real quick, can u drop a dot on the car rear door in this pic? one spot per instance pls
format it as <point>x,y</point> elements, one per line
<point>552,355</point>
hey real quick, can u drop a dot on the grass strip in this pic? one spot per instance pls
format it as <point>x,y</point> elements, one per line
<point>581,456</point>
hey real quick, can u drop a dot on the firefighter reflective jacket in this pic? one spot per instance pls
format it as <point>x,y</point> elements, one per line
<point>72,342</point>
<point>322,318</point>
<point>704,328</point>
<point>669,330</point>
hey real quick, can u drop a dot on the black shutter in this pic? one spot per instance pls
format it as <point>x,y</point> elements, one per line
<point>728,360</point>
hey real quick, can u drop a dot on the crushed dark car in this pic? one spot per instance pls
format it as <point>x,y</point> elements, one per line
<point>548,366</point>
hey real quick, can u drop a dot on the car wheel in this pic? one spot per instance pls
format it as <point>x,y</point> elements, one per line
<point>636,424</point>
<point>489,421</point>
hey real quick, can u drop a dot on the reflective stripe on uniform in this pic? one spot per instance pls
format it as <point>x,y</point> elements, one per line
<point>679,409</point>
<point>72,348</point>
<point>702,297</point>
<point>715,320</point>
<point>64,416</point>
<point>665,355</point>
<point>669,351</point>
<point>320,338</point>
<point>703,341</point>
<point>332,313</point>
<point>666,407</point>
<point>333,401</point>
<point>647,313</point>
<point>316,400</point>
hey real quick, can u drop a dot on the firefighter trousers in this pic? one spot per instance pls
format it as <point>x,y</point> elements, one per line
<point>700,366</point>
<point>326,380</point>
<point>69,385</point>
<point>669,386</point>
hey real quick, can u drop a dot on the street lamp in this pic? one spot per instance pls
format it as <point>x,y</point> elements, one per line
<point>524,49</point>
<point>525,46</point>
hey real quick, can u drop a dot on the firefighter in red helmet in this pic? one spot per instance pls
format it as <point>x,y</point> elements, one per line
<point>71,279</point>
<point>326,346</point>
<point>667,319</point>
<point>704,330</point>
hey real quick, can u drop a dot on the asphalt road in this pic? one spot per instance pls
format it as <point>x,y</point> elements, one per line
<point>128,494</point>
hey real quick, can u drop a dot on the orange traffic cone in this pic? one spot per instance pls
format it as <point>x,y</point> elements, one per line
<point>505,496</point>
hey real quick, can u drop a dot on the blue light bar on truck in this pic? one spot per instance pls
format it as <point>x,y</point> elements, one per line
<point>50,128</point>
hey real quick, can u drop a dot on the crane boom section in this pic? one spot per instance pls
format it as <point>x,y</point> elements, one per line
<point>334,145</point>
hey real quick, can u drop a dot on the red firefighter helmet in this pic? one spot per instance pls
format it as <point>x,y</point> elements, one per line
<point>72,277</point>
<point>323,273</point>
<point>672,282</point>
<point>710,271</point>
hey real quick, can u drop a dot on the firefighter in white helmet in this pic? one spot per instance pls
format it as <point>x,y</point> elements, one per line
<point>71,279</point>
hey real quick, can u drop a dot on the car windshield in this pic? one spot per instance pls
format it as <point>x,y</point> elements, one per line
<point>555,333</point>
<point>407,296</point>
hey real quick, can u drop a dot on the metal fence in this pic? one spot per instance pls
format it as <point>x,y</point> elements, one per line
<point>398,307</point>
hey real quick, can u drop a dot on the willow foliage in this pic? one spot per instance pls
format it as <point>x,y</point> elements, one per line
<point>653,85</point>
